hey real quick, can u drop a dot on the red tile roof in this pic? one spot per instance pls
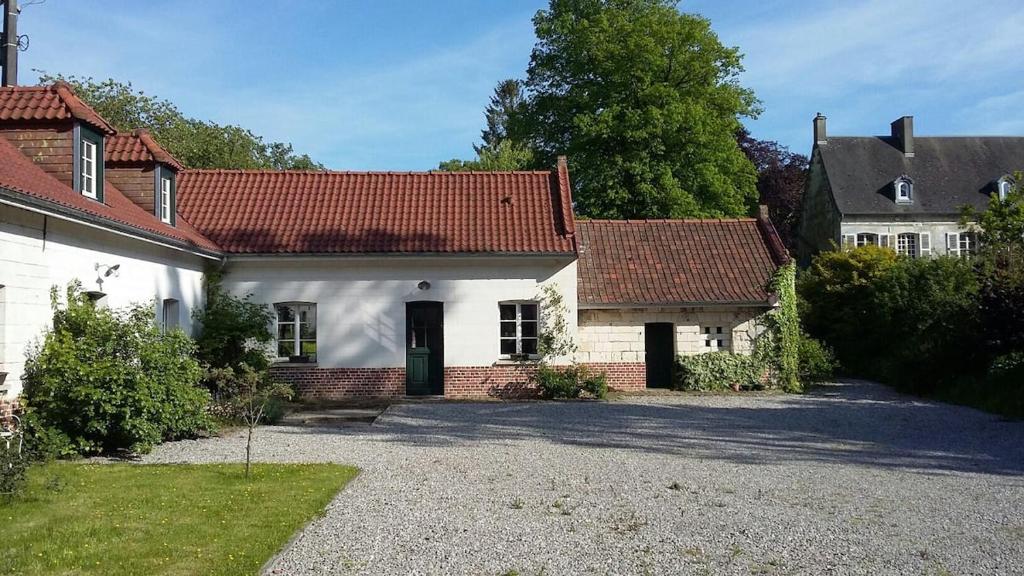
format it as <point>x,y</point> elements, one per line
<point>379,212</point>
<point>676,262</point>
<point>55,102</point>
<point>139,146</point>
<point>20,175</point>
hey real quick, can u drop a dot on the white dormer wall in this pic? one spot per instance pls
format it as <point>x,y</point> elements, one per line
<point>937,232</point>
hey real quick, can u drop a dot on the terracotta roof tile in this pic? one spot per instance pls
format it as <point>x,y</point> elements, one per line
<point>41,103</point>
<point>20,175</point>
<point>138,146</point>
<point>675,261</point>
<point>378,212</point>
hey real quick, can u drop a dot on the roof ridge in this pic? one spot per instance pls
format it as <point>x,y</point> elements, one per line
<point>365,172</point>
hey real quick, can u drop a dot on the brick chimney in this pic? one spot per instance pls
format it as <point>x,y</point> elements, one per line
<point>820,135</point>
<point>903,134</point>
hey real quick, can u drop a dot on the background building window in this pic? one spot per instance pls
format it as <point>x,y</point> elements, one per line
<point>867,239</point>
<point>906,244</point>
<point>716,338</point>
<point>170,314</point>
<point>961,244</point>
<point>296,331</point>
<point>519,328</point>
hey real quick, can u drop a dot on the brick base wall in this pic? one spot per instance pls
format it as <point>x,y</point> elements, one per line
<point>500,381</point>
<point>340,383</point>
<point>622,376</point>
<point>8,407</point>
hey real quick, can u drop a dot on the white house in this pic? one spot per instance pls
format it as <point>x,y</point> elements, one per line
<point>382,283</point>
<point>62,219</point>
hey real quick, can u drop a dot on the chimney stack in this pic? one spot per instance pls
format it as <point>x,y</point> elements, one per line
<point>903,134</point>
<point>9,48</point>
<point>820,136</point>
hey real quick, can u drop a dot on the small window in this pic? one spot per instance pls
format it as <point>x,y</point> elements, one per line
<point>907,245</point>
<point>519,329</point>
<point>165,200</point>
<point>296,331</point>
<point>1005,186</point>
<point>867,239</point>
<point>170,314</point>
<point>904,188</point>
<point>88,169</point>
<point>962,244</point>
<point>715,337</point>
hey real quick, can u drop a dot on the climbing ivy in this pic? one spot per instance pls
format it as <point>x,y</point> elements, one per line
<point>779,344</point>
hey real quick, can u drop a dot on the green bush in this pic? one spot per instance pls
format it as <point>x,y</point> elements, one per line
<point>104,380</point>
<point>908,322</point>
<point>235,330</point>
<point>718,371</point>
<point>571,381</point>
<point>14,461</point>
<point>817,362</point>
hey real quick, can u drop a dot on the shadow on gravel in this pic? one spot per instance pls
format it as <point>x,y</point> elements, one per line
<point>850,423</point>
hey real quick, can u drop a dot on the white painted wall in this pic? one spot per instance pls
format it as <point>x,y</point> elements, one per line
<point>617,335</point>
<point>937,230</point>
<point>30,265</point>
<point>361,301</point>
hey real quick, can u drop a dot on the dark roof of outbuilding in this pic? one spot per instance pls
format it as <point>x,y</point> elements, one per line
<point>947,172</point>
<point>677,262</point>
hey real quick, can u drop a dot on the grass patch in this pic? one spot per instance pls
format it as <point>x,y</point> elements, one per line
<point>176,520</point>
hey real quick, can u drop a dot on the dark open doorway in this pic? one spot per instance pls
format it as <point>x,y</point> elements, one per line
<point>660,347</point>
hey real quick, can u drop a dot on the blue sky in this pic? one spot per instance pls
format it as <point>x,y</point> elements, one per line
<point>401,84</point>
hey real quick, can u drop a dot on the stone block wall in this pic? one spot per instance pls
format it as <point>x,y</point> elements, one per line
<point>617,335</point>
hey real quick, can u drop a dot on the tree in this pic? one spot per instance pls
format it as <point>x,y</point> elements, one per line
<point>999,264</point>
<point>645,102</point>
<point>781,178</point>
<point>498,150</point>
<point>235,330</point>
<point>506,102</point>
<point>252,393</point>
<point>196,143</point>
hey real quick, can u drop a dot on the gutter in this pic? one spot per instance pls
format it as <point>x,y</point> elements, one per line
<point>19,200</point>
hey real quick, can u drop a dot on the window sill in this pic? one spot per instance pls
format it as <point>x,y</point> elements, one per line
<point>511,362</point>
<point>285,363</point>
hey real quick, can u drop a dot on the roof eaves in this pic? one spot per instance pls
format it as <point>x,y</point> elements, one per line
<point>22,200</point>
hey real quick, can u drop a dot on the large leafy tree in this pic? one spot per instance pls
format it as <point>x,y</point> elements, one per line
<point>196,143</point>
<point>645,101</point>
<point>781,178</point>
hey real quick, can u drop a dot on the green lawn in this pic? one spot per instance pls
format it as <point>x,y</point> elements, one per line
<point>115,519</point>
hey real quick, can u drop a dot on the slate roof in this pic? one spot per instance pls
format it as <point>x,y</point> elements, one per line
<point>45,103</point>
<point>677,262</point>
<point>947,172</point>
<point>293,212</point>
<point>20,176</point>
<point>137,146</point>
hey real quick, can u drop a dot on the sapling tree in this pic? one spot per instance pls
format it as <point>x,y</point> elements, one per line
<point>252,393</point>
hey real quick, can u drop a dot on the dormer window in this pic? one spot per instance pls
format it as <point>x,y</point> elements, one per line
<point>165,194</point>
<point>904,189</point>
<point>88,162</point>
<point>1004,186</point>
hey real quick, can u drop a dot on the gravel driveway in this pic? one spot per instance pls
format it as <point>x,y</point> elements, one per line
<point>853,479</point>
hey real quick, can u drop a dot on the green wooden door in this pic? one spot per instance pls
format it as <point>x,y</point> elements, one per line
<point>424,364</point>
<point>659,344</point>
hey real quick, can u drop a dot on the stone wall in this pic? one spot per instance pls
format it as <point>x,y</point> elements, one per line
<point>617,335</point>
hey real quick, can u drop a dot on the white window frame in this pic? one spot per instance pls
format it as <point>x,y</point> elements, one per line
<point>165,200</point>
<point>908,244</point>
<point>901,186</point>
<point>88,168</point>
<point>296,340</point>
<point>716,338</point>
<point>867,239</point>
<point>1005,185</point>
<point>961,244</point>
<point>519,321</point>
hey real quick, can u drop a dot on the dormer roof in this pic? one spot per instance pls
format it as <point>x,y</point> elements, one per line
<point>49,103</point>
<point>138,146</point>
